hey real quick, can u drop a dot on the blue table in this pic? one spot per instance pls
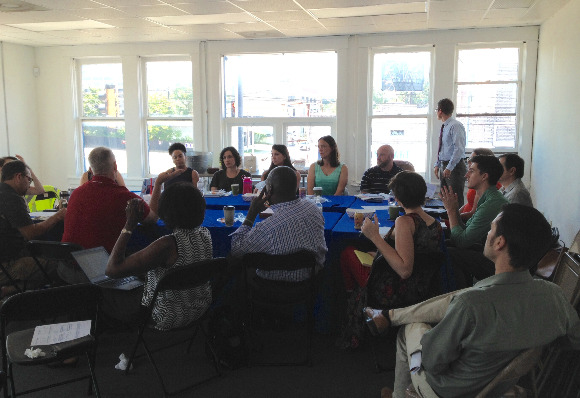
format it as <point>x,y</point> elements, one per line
<point>218,203</point>
<point>337,204</point>
<point>359,203</point>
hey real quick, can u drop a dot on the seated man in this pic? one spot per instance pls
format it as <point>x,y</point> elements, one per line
<point>96,210</point>
<point>296,224</point>
<point>513,188</point>
<point>481,329</point>
<point>16,226</point>
<point>377,178</point>
<point>482,175</point>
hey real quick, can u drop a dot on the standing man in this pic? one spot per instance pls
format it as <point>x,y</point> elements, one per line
<point>16,226</point>
<point>377,178</point>
<point>450,166</point>
<point>512,187</point>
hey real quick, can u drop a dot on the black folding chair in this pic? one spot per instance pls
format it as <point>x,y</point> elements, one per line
<point>273,295</point>
<point>79,302</point>
<point>53,251</point>
<point>181,278</point>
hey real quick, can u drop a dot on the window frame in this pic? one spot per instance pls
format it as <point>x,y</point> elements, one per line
<point>79,116</point>
<point>144,104</point>
<point>427,116</point>
<point>519,82</point>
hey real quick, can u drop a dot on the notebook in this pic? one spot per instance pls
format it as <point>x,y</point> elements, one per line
<point>93,262</point>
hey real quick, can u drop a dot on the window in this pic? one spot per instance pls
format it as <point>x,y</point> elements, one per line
<point>102,110</point>
<point>487,96</point>
<point>169,109</point>
<point>400,103</point>
<point>292,94</point>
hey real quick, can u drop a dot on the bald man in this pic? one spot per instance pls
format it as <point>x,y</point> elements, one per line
<point>377,178</point>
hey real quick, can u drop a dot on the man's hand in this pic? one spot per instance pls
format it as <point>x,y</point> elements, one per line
<point>449,199</point>
<point>446,173</point>
<point>258,205</point>
<point>436,171</point>
<point>59,215</point>
<point>134,211</point>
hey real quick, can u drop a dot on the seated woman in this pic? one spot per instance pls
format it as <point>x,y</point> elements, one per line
<point>328,172</point>
<point>230,173</point>
<point>180,172</point>
<point>88,175</point>
<point>182,208</point>
<point>407,259</point>
<point>280,157</point>
<point>467,210</point>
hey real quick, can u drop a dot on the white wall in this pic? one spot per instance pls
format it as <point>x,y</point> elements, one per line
<point>556,151</point>
<point>20,128</point>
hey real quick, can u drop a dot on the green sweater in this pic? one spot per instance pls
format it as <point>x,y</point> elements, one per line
<point>476,228</point>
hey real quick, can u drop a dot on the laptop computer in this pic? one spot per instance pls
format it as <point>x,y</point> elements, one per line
<point>93,262</point>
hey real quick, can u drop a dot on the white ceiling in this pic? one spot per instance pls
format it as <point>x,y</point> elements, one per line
<point>74,22</point>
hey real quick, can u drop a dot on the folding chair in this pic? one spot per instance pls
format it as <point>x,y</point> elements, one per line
<point>44,201</point>
<point>272,294</point>
<point>182,278</point>
<point>54,251</point>
<point>78,302</point>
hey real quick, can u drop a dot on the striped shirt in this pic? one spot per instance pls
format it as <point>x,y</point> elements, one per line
<point>294,226</point>
<point>375,180</point>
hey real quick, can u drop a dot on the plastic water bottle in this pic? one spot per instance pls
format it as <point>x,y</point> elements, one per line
<point>318,202</point>
<point>247,185</point>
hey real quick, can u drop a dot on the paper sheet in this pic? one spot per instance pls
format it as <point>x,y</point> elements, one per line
<point>415,364</point>
<point>59,332</point>
<point>365,259</point>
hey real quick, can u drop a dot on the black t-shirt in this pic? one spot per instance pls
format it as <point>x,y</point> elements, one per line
<point>13,215</point>
<point>220,180</point>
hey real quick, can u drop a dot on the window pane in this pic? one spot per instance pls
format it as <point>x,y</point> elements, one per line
<point>102,88</point>
<point>253,141</point>
<point>490,131</point>
<point>280,85</point>
<point>302,144</point>
<point>109,134</point>
<point>160,135</point>
<point>169,88</point>
<point>408,137</point>
<point>487,98</point>
<point>401,83</point>
<point>488,64</point>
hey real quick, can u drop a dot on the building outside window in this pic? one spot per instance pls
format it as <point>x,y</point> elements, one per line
<point>101,107</point>
<point>488,86</point>
<point>400,105</point>
<point>287,98</point>
<point>169,109</point>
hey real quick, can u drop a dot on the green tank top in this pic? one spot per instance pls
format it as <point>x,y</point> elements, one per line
<point>329,183</point>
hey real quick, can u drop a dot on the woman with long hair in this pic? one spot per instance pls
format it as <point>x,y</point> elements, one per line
<point>328,172</point>
<point>280,157</point>
<point>231,173</point>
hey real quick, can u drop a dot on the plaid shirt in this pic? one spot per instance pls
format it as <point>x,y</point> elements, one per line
<point>294,226</point>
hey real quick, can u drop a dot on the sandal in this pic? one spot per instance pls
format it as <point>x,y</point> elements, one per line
<point>371,315</point>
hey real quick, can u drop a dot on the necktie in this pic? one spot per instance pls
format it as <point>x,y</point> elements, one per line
<point>440,142</point>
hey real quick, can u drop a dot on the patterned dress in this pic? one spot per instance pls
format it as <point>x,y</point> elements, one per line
<point>385,289</point>
<point>192,245</point>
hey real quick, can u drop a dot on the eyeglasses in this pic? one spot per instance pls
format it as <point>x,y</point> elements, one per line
<point>28,178</point>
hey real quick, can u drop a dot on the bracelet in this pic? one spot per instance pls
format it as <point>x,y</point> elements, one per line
<point>126,231</point>
<point>249,222</point>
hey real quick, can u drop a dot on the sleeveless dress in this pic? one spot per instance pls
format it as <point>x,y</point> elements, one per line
<point>385,289</point>
<point>328,183</point>
<point>192,245</point>
<point>185,177</point>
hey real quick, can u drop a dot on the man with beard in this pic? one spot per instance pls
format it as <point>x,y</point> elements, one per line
<point>377,178</point>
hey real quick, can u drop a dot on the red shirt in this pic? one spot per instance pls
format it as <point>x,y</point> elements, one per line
<point>95,214</point>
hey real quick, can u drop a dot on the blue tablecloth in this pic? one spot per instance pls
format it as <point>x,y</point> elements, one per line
<point>337,204</point>
<point>359,203</point>
<point>219,203</point>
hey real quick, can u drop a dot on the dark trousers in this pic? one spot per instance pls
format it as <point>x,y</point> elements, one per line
<point>468,264</point>
<point>457,179</point>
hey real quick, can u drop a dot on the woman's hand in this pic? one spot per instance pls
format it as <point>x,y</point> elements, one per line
<point>134,211</point>
<point>371,229</point>
<point>168,175</point>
